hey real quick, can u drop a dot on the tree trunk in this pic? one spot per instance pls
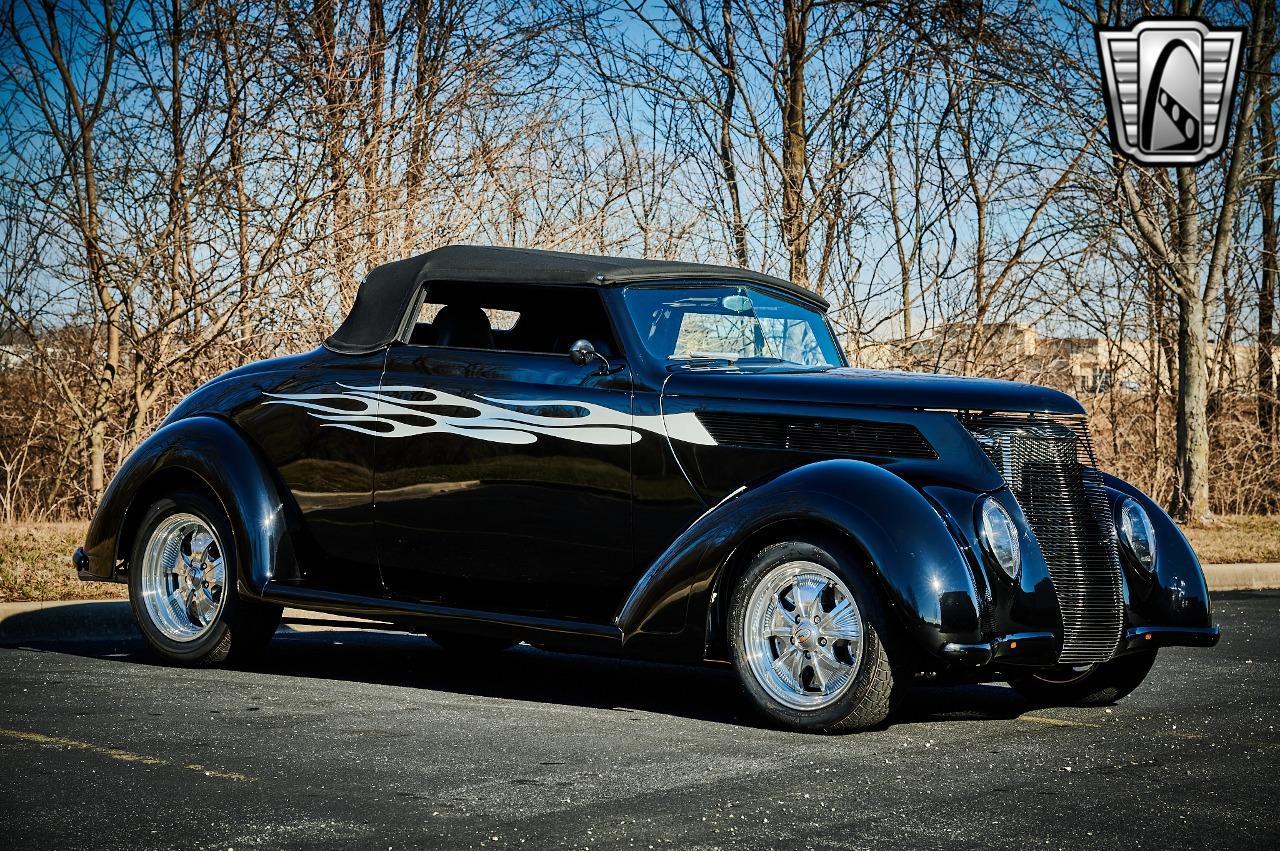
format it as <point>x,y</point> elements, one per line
<point>1270,260</point>
<point>82,167</point>
<point>1266,312</point>
<point>794,149</point>
<point>899,240</point>
<point>1191,495</point>
<point>1193,453</point>
<point>373,235</point>
<point>727,164</point>
<point>1191,499</point>
<point>334,89</point>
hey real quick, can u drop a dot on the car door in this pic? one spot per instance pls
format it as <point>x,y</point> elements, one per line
<point>505,482</point>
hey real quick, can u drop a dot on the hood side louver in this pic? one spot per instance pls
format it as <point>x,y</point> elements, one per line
<point>853,438</point>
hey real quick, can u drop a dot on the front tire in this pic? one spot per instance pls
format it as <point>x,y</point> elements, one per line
<point>1100,685</point>
<point>182,585</point>
<point>804,635</point>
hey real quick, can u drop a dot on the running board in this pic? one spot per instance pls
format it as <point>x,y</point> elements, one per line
<point>423,617</point>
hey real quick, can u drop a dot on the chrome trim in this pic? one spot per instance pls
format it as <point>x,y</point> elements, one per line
<point>1047,461</point>
<point>182,578</point>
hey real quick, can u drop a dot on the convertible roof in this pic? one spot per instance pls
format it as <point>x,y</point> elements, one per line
<point>389,292</point>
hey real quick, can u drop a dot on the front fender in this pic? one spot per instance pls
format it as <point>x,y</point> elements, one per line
<point>907,545</point>
<point>1177,595</point>
<point>214,451</point>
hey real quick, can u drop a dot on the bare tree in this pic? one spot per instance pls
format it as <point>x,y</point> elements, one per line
<point>69,80</point>
<point>1268,100</point>
<point>192,184</point>
<point>1172,232</point>
<point>780,98</point>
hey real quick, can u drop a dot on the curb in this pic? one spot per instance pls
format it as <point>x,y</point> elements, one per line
<point>1242,577</point>
<point>86,620</point>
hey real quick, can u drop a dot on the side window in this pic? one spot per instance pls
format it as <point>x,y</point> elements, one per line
<point>530,318</point>
<point>499,320</point>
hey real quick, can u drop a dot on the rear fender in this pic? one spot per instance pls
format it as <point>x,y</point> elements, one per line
<point>218,455</point>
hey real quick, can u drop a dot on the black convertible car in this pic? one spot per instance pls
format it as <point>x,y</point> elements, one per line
<point>648,459</point>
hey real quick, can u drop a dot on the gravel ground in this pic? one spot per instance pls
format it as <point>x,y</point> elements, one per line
<point>341,738</point>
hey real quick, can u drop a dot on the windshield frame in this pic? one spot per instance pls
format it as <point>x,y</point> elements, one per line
<point>668,363</point>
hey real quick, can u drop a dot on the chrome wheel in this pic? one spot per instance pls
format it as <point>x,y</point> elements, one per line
<point>183,577</point>
<point>803,635</point>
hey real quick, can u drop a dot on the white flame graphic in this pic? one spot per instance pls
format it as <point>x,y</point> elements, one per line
<point>375,411</point>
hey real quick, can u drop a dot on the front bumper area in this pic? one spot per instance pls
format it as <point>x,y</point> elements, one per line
<point>1022,648</point>
<point>1041,649</point>
<point>1147,637</point>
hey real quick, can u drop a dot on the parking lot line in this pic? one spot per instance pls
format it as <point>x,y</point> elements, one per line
<point>120,754</point>
<point>1056,722</point>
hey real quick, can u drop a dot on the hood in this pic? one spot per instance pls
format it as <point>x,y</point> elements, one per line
<point>868,387</point>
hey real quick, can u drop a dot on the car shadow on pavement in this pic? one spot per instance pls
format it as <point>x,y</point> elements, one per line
<point>708,692</point>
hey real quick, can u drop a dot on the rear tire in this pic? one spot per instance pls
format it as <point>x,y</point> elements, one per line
<point>804,635</point>
<point>182,585</point>
<point>1101,685</point>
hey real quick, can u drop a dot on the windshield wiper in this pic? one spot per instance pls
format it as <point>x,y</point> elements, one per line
<point>762,359</point>
<point>702,356</point>
<point>734,360</point>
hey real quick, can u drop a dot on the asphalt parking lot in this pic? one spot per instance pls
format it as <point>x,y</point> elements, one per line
<point>375,740</point>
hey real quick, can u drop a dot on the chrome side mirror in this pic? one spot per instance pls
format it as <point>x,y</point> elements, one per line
<point>583,353</point>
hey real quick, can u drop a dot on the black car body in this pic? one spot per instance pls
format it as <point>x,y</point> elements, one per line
<point>473,476</point>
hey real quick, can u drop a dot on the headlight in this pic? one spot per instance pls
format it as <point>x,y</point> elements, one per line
<point>1000,537</point>
<point>1137,534</point>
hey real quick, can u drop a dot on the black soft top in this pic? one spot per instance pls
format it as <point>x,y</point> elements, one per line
<point>388,298</point>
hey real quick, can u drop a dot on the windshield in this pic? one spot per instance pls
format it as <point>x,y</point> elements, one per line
<point>731,323</point>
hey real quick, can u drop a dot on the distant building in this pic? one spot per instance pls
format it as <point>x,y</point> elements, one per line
<point>1081,365</point>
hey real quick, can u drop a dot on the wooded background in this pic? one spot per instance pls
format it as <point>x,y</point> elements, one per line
<point>189,185</point>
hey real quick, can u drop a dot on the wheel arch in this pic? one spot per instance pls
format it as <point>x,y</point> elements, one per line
<point>160,483</point>
<point>819,531</point>
<point>211,455</point>
<point>919,566</point>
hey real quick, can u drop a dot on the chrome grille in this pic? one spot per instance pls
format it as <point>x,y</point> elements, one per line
<point>1048,463</point>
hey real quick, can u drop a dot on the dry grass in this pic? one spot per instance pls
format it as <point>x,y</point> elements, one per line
<point>1237,539</point>
<point>35,564</point>
<point>35,558</point>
